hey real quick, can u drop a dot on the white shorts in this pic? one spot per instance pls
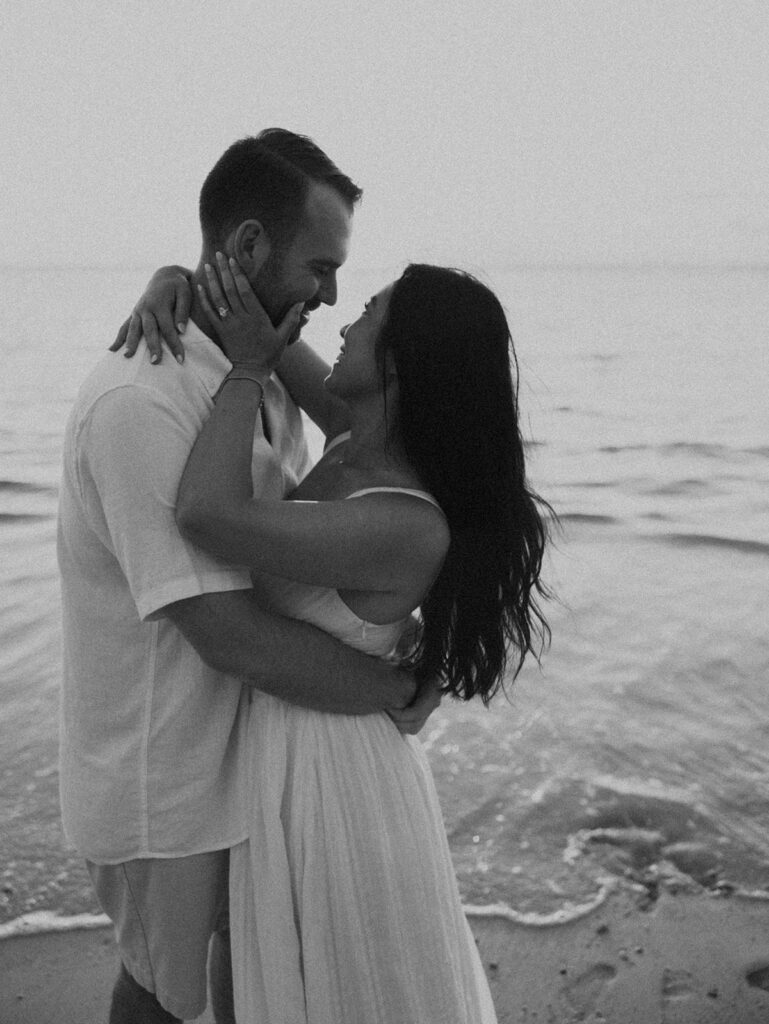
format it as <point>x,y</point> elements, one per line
<point>165,912</point>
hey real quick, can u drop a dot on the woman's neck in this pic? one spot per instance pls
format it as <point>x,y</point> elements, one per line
<point>374,441</point>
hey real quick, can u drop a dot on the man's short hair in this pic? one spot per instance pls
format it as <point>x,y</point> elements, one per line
<point>267,177</point>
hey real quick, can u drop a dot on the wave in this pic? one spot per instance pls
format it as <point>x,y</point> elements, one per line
<point>697,448</point>
<point>24,487</point>
<point>603,357</point>
<point>41,921</point>
<point>661,840</point>
<point>678,488</point>
<point>586,517</point>
<point>587,485</point>
<point>643,485</point>
<point>589,412</point>
<point>713,451</point>
<point>569,912</point>
<point>692,540</point>
<point>24,517</point>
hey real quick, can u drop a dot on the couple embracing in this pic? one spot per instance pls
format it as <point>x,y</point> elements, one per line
<point>244,674</point>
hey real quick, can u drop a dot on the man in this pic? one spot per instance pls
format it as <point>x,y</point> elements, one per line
<point>159,637</point>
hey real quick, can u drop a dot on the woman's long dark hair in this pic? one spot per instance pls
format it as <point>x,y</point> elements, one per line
<point>457,416</point>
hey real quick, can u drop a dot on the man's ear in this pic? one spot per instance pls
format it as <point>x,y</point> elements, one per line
<point>251,246</point>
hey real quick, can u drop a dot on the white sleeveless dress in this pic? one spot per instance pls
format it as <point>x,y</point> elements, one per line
<point>344,907</point>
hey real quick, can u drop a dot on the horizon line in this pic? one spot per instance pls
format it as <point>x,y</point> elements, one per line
<point>534,264</point>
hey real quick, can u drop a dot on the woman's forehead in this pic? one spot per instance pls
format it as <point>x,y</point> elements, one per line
<point>382,297</point>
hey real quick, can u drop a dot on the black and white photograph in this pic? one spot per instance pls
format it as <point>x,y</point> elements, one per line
<point>384,512</point>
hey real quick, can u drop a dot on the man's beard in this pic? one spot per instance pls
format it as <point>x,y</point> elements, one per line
<point>268,287</point>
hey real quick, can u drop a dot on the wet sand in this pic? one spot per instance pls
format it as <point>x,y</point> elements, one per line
<point>679,959</point>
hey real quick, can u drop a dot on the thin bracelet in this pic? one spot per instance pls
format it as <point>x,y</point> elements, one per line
<point>244,373</point>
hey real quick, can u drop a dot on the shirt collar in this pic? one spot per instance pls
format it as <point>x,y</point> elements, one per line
<point>205,356</point>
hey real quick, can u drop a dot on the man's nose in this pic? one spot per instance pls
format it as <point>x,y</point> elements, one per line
<point>327,290</point>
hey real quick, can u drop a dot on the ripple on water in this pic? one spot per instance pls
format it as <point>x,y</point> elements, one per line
<point>691,540</point>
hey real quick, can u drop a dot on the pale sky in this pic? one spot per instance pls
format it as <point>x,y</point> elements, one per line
<point>484,132</point>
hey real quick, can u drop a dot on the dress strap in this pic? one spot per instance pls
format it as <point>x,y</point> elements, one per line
<point>381,490</point>
<point>336,440</point>
<point>396,490</point>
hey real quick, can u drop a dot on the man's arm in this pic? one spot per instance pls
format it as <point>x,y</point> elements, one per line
<point>132,448</point>
<point>289,659</point>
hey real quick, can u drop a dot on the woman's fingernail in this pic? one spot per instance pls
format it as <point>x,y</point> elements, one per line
<point>154,358</point>
<point>181,327</point>
<point>180,358</point>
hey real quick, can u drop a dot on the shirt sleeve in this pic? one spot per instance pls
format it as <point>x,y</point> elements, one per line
<point>131,451</point>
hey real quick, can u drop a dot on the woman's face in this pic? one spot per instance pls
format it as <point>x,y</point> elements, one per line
<point>356,372</point>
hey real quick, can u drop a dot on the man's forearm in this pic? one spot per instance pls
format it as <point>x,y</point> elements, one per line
<point>287,658</point>
<point>302,664</point>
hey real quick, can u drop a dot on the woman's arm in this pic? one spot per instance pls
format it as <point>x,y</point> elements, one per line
<point>380,543</point>
<point>383,542</point>
<point>161,315</point>
<point>303,372</point>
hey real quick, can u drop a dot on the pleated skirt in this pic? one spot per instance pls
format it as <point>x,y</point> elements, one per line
<point>344,905</point>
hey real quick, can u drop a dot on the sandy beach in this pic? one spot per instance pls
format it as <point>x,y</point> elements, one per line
<point>678,959</point>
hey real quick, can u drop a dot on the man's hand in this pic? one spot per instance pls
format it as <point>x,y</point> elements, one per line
<point>411,719</point>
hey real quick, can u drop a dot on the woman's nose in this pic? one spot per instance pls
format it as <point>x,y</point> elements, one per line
<point>343,330</point>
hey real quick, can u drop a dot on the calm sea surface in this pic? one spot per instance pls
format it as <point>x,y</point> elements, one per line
<point>639,753</point>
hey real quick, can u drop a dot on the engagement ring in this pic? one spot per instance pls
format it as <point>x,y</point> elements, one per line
<point>223,312</point>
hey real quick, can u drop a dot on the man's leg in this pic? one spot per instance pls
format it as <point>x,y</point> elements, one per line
<point>165,911</point>
<point>132,1004</point>
<point>220,977</point>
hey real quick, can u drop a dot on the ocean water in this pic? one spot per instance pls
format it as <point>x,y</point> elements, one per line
<point>638,753</point>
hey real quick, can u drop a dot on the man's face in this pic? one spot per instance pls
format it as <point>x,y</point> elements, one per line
<point>306,270</point>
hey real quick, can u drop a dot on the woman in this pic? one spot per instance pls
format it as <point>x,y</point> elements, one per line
<point>344,906</point>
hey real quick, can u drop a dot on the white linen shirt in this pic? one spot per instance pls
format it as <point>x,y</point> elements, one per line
<point>152,739</point>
